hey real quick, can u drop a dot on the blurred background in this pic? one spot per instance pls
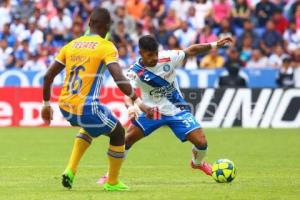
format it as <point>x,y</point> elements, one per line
<point>265,53</point>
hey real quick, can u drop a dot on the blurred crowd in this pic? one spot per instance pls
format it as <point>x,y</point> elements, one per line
<point>266,32</point>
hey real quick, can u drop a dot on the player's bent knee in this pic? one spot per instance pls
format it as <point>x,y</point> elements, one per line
<point>117,136</point>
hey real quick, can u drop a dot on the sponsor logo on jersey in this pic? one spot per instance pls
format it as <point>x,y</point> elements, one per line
<point>86,45</point>
<point>166,67</point>
<point>163,91</point>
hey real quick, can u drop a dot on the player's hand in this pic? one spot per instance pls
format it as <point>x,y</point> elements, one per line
<point>146,109</point>
<point>226,41</point>
<point>133,112</point>
<point>47,114</point>
<point>150,112</point>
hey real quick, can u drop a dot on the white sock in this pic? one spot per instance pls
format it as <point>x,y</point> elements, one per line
<point>198,155</point>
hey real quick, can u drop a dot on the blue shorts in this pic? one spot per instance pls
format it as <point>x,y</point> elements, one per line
<point>181,124</point>
<point>96,120</point>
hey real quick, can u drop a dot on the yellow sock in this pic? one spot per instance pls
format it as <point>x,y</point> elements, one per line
<point>81,143</point>
<point>115,158</point>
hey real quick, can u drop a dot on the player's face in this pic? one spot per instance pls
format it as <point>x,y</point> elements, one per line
<point>150,58</point>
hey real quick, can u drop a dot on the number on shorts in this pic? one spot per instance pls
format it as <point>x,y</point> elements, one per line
<point>189,121</point>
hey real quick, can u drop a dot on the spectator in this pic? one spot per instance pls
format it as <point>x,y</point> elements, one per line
<point>49,48</point>
<point>50,43</point>
<point>173,43</point>
<point>60,25</point>
<point>233,60</point>
<point>5,34</point>
<point>124,59</point>
<point>34,64</point>
<point>119,36</point>
<point>172,21</point>
<point>286,75</point>
<point>17,27</point>
<point>193,21</point>
<point>281,23</point>
<point>203,11</point>
<point>162,34</point>
<point>181,7</point>
<point>293,8</point>
<point>40,19</point>
<point>35,37</point>
<point>252,3</point>
<point>276,59</point>
<point>297,17</point>
<point>264,11</point>
<point>129,22</point>
<point>246,49</point>
<point>258,60</point>
<point>47,7</point>
<point>76,32</point>
<point>248,30</point>
<point>22,53</point>
<point>226,29</point>
<point>157,8</point>
<point>84,8</point>
<point>112,5</point>
<point>221,10</point>
<point>270,38</point>
<point>24,9</point>
<point>212,60</point>
<point>291,37</point>
<point>5,9</point>
<point>240,12</point>
<point>207,36</point>
<point>139,32</point>
<point>148,23</point>
<point>6,55</point>
<point>185,35</point>
<point>136,8</point>
<point>233,79</point>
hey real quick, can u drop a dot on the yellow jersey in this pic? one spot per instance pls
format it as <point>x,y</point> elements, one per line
<point>85,60</point>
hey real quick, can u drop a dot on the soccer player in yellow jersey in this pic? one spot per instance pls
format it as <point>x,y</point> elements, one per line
<point>85,59</point>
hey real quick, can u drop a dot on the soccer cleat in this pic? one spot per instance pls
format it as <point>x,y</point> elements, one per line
<point>117,187</point>
<point>205,167</point>
<point>102,180</point>
<point>67,178</point>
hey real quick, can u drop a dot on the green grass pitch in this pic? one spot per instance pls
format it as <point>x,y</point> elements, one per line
<point>267,160</point>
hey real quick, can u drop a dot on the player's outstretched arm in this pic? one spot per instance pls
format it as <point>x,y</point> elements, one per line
<point>197,49</point>
<point>125,86</point>
<point>54,69</point>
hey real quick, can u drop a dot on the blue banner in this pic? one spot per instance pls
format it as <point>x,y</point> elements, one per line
<point>200,78</point>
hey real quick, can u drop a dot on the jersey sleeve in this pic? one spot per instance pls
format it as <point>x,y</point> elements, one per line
<point>112,55</point>
<point>132,77</point>
<point>61,56</point>
<point>177,57</point>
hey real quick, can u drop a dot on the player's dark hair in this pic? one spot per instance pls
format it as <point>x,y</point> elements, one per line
<point>148,43</point>
<point>99,16</point>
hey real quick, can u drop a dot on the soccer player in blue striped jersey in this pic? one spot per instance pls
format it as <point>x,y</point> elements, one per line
<point>154,74</point>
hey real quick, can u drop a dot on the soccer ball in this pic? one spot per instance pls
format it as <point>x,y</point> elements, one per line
<point>223,171</point>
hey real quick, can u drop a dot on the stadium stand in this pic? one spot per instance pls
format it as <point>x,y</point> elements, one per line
<point>264,31</point>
